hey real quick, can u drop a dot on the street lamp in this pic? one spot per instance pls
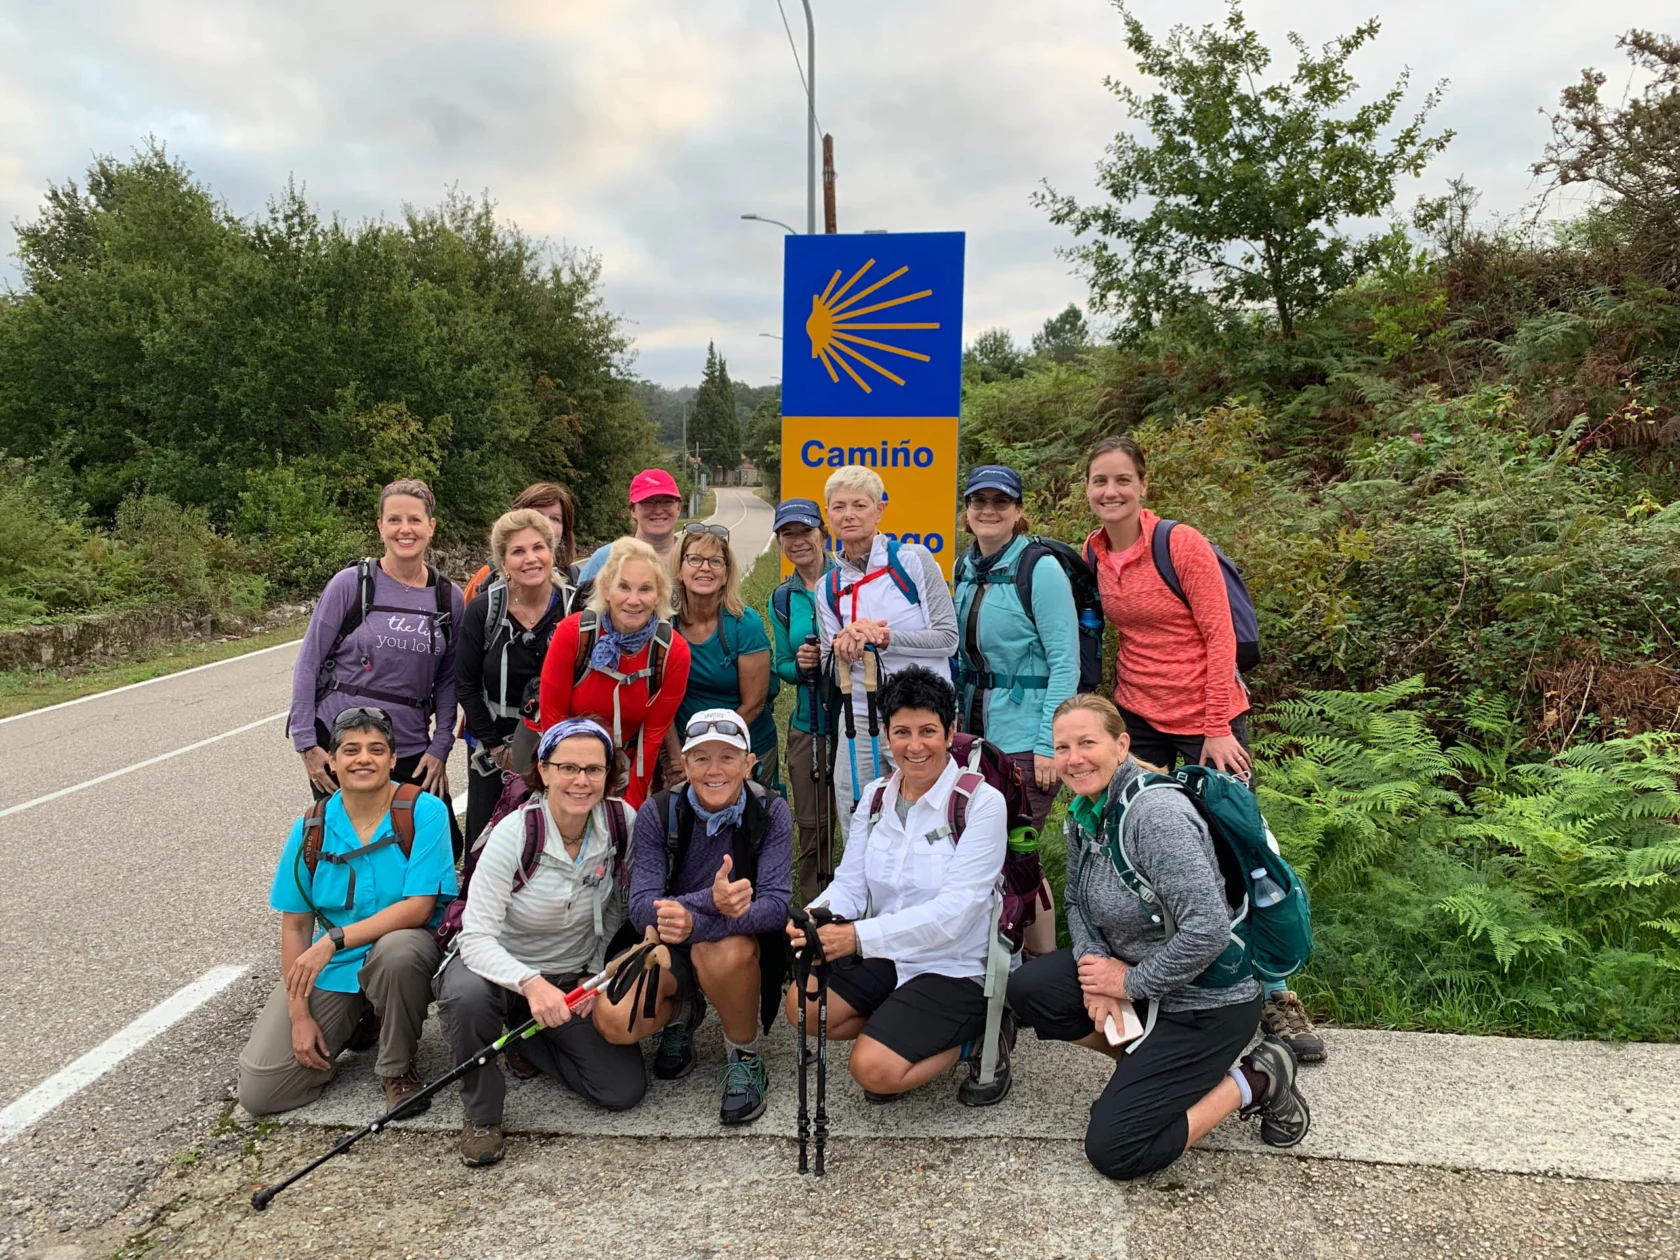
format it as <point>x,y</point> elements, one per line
<point>772,336</point>
<point>759,218</point>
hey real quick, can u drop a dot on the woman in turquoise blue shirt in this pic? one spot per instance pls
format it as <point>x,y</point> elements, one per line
<point>1015,663</point>
<point>729,652</point>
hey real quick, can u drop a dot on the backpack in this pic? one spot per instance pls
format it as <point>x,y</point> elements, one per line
<point>1244,621</point>
<point>775,958</point>
<point>589,633</point>
<point>894,569</point>
<point>618,827</point>
<point>499,628</point>
<point>442,624</point>
<point>310,851</point>
<point>1269,942</point>
<point>1087,600</point>
<point>1022,877</point>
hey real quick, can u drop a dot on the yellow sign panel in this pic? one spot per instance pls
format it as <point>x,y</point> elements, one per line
<point>917,459</point>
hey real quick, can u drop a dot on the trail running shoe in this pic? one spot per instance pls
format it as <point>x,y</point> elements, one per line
<point>1283,1017</point>
<point>675,1058</point>
<point>479,1145</point>
<point>745,1085</point>
<point>1284,1117</point>
<point>971,1093</point>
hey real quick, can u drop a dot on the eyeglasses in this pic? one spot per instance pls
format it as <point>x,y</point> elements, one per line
<point>714,726</point>
<point>700,527</point>
<point>568,770</point>
<point>694,561</point>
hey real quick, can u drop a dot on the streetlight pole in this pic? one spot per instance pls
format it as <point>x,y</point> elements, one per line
<point>810,122</point>
<point>759,218</point>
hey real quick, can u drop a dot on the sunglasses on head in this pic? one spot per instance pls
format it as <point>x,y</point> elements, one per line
<point>700,527</point>
<point>714,726</point>
<point>360,716</point>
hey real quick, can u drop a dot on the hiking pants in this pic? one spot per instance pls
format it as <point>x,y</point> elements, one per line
<point>1165,751</point>
<point>808,794</point>
<point>396,981</point>
<point>475,1012</point>
<point>1138,1123</point>
<point>483,791</point>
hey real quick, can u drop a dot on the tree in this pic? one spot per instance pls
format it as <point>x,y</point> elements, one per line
<point>1064,337</point>
<point>763,443</point>
<point>1247,185</point>
<point>712,424</point>
<point>993,356</point>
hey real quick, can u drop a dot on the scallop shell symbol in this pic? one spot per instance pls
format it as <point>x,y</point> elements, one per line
<point>835,323</point>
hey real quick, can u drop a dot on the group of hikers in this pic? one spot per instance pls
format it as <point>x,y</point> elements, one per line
<point>627,784</point>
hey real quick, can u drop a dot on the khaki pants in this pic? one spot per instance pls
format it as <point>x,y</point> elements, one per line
<point>807,796</point>
<point>396,979</point>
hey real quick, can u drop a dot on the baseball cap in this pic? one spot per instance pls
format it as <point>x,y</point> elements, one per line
<point>723,725</point>
<point>798,512</point>
<point>995,477</point>
<point>650,483</point>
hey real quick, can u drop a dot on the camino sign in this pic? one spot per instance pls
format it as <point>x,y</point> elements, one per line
<point>872,373</point>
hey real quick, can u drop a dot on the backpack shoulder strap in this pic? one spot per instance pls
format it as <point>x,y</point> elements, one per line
<point>496,613</point>
<point>1160,550</point>
<point>900,575</point>
<point>589,631</point>
<point>661,649</point>
<point>315,833</point>
<point>444,588</point>
<point>781,603</point>
<point>536,839</point>
<point>875,804</point>
<point>669,804</point>
<point>832,588</point>
<point>956,805</point>
<point>402,816</point>
<point>1025,563</point>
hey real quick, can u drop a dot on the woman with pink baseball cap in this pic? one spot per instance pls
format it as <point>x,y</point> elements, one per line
<point>655,506</point>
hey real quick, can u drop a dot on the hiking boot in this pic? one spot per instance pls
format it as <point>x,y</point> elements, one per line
<point>1283,1017</point>
<point>971,1093</point>
<point>480,1145</point>
<point>675,1057</point>
<point>402,1089</point>
<point>518,1064</point>
<point>1284,1118</point>
<point>745,1084</point>
<point>365,1036</point>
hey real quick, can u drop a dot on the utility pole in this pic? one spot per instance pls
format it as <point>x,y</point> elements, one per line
<point>830,226</point>
<point>810,121</point>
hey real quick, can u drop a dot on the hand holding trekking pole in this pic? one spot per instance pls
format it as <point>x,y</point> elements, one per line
<point>549,1007</point>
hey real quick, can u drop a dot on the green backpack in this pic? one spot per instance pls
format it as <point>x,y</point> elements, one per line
<point>1271,923</point>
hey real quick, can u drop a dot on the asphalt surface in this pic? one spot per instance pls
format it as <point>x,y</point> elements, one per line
<point>125,890</point>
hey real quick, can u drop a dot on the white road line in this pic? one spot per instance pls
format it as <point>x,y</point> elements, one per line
<point>141,765</point>
<point>180,673</point>
<point>19,1115</point>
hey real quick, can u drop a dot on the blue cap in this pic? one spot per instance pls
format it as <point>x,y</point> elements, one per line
<point>995,477</point>
<point>798,512</point>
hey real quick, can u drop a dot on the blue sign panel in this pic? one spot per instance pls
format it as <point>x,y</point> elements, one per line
<point>872,325</point>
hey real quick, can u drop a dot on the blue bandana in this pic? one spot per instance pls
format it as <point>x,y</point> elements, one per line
<point>565,728</point>
<point>729,816</point>
<point>612,645</point>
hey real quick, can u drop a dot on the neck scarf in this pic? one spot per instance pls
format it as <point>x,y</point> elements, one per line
<point>729,816</point>
<point>611,645</point>
<point>981,565</point>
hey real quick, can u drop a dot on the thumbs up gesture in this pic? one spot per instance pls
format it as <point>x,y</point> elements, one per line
<point>730,896</point>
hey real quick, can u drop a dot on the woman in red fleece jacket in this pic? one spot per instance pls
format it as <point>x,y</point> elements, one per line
<point>632,598</point>
<point>1177,685</point>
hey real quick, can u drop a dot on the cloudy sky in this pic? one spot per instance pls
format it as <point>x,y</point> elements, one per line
<point>644,130</point>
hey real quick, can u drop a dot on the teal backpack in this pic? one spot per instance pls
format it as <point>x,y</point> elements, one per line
<point>1271,923</point>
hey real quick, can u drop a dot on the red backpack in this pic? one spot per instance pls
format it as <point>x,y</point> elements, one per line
<point>1022,877</point>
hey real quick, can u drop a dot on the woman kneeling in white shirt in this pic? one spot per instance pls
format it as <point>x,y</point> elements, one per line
<point>908,966</point>
<point>526,941</point>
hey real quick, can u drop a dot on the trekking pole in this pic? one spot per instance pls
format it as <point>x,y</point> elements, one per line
<point>809,961</point>
<point>872,680</point>
<point>819,768</point>
<point>822,1062</point>
<point>851,745</point>
<point>261,1199</point>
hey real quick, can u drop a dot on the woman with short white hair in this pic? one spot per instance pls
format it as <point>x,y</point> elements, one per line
<point>884,607</point>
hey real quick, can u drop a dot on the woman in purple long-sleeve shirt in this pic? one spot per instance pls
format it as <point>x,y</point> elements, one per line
<point>713,874</point>
<point>398,654</point>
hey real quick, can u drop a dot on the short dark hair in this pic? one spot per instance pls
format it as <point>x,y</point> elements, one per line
<point>917,687</point>
<point>361,717</point>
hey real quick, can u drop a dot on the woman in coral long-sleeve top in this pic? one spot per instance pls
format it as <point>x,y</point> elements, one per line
<point>633,646</point>
<point>1176,671</point>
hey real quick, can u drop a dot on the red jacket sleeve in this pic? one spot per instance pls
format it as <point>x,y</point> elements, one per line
<point>1204,586</point>
<point>673,685</point>
<point>554,696</point>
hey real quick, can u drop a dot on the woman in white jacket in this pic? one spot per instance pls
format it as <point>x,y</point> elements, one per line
<point>908,964</point>
<point>536,923</point>
<point>885,606</point>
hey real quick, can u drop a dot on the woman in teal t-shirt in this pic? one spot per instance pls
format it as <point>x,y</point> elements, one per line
<point>729,651</point>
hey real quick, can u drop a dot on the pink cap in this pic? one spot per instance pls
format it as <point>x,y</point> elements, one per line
<point>650,483</point>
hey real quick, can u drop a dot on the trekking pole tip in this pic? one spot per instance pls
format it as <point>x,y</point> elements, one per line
<point>260,1199</point>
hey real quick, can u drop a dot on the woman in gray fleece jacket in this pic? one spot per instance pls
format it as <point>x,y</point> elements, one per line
<point>1172,1086</point>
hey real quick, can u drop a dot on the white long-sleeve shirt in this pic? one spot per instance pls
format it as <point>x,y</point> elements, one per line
<point>561,920</point>
<point>924,904</point>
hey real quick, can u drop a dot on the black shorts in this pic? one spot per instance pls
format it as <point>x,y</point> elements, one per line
<point>915,1020</point>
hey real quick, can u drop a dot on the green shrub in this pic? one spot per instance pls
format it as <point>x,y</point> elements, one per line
<point>287,522</point>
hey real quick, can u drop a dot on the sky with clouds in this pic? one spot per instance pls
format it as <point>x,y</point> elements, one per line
<point>642,131</point>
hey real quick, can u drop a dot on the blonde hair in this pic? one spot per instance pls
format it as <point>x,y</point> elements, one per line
<point>1102,706</point>
<point>624,550</point>
<point>855,477</point>
<point>731,601</point>
<point>517,521</point>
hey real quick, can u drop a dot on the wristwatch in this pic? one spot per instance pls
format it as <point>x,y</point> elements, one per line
<point>336,936</point>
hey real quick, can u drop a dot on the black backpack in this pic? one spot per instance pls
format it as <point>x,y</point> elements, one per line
<point>1087,601</point>
<point>442,626</point>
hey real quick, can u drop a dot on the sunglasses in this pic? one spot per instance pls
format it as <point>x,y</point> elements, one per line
<point>363,715</point>
<point>700,527</point>
<point>715,726</point>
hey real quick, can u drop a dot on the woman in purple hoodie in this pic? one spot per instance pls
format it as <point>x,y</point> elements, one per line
<point>384,634</point>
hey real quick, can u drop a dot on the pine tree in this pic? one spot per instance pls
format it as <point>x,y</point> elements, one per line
<point>713,425</point>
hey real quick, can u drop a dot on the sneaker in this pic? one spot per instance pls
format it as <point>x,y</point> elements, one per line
<point>480,1145</point>
<point>675,1056</point>
<point>1283,1017</point>
<point>745,1084</point>
<point>402,1089</point>
<point>1284,1117</point>
<point>971,1093</point>
<point>365,1036</point>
